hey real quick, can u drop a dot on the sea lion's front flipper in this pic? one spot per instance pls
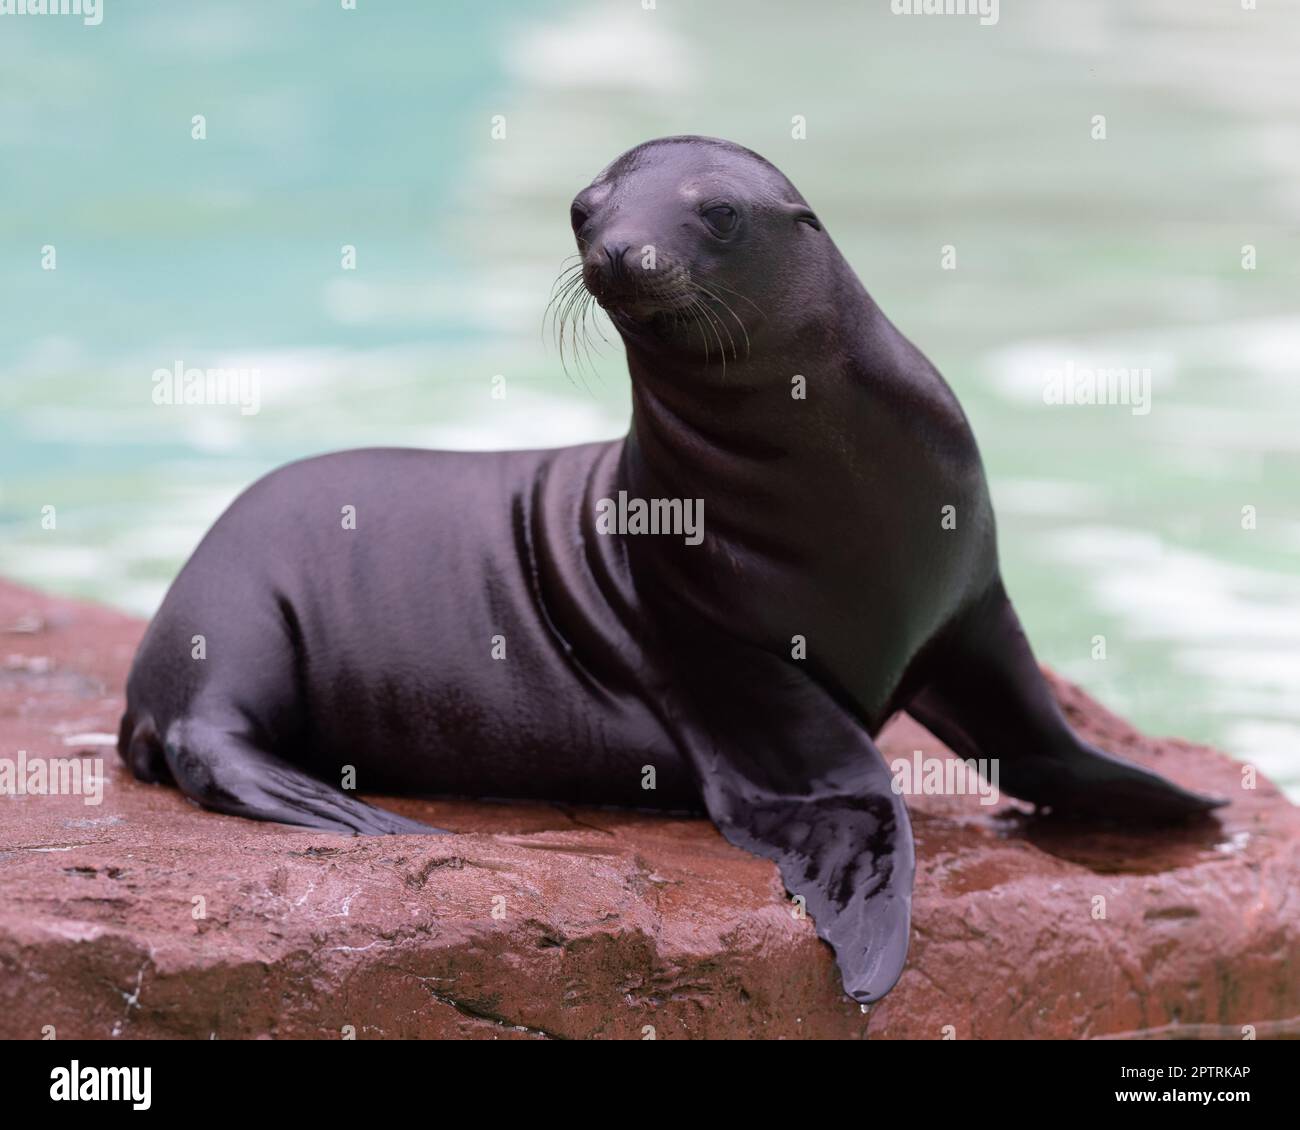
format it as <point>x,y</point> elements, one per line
<point>846,851</point>
<point>789,775</point>
<point>985,697</point>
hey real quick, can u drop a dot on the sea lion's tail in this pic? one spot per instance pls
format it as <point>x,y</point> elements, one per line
<point>139,746</point>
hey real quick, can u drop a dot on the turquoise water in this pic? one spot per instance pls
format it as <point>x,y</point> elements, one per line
<point>374,128</point>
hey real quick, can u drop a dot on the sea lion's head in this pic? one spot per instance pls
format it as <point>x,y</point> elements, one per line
<point>693,244</point>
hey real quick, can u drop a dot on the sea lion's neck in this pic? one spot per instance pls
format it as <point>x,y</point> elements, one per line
<point>796,488</point>
<point>698,431</point>
<point>837,429</point>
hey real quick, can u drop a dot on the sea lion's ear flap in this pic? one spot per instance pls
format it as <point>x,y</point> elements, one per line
<point>802,214</point>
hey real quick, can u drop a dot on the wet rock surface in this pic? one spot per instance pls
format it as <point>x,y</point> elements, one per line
<point>144,916</point>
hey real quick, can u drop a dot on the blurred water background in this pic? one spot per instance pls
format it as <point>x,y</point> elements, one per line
<point>373,128</point>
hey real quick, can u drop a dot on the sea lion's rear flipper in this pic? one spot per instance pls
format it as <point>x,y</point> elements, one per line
<point>789,775</point>
<point>224,771</point>
<point>985,697</point>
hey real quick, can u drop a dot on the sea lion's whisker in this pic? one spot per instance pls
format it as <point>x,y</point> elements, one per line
<point>595,320</point>
<point>555,311</point>
<point>565,276</point>
<point>735,293</point>
<point>564,338</point>
<point>568,310</point>
<point>559,290</point>
<point>734,316</point>
<point>586,318</point>
<point>715,322</point>
<point>712,321</point>
<point>583,315</point>
<point>735,353</point>
<point>558,287</point>
<point>692,308</point>
<point>709,321</point>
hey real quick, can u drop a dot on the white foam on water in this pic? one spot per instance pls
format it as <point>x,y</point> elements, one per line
<point>1244,432</point>
<point>1162,591</point>
<point>1260,356</point>
<point>1271,745</point>
<point>158,536</point>
<point>1044,498</point>
<point>1248,679</point>
<point>55,562</point>
<point>1019,372</point>
<point>603,47</point>
<point>492,305</point>
<point>1234,630</point>
<point>529,419</point>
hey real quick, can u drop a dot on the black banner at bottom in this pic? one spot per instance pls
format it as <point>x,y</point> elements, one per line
<point>304,1078</point>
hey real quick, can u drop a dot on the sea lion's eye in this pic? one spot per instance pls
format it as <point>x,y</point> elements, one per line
<point>577,217</point>
<point>721,218</point>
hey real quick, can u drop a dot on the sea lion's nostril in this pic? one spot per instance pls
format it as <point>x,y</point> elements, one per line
<point>615,253</point>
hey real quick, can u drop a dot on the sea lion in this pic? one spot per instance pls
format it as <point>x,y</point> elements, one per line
<point>506,624</point>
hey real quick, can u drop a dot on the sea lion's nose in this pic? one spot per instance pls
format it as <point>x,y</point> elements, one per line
<point>615,261</point>
<point>606,268</point>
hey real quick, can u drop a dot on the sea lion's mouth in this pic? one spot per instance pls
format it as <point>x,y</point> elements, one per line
<point>639,295</point>
<point>641,308</point>
<point>660,319</point>
<point>661,302</point>
<point>685,313</point>
<point>633,305</point>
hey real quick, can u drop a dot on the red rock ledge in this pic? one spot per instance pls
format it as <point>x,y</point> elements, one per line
<point>613,921</point>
